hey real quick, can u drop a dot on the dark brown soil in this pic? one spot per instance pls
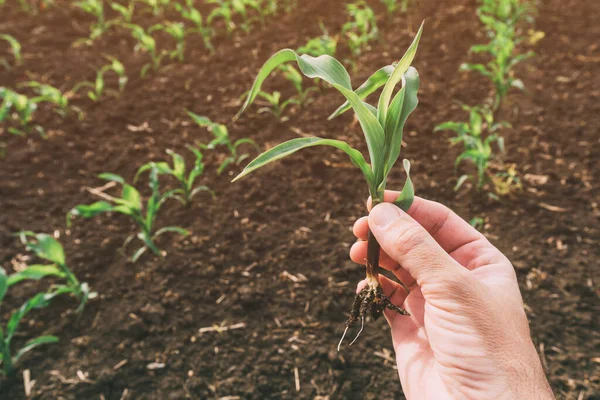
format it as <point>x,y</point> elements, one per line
<point>272,251</point>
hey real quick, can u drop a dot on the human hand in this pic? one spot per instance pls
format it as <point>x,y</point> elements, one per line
<point>468,336</point>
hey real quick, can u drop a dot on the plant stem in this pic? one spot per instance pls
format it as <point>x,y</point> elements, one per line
<point>373,250</point>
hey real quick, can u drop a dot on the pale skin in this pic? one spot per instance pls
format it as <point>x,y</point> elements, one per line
<point>468,336</point>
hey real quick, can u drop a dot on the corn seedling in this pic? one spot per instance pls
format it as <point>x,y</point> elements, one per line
<point>477,136</point>
<point>276,105</point>
<point>291,74</point>
<point>49,249</point>
<point>382,126</point>
<point>130,203</point>
<point>15,49</point>
<point>500,69</point>
<point>19,108</point>
<point>97,87</point>
<point>49,94</point>
<point>508,11</point>
<point>177,31</point>
<point>318,46</point>
<point>506,180</point>
<point>178,170</point>
<point>96,9</point>
<point>193,15</point>
<point>126,13</point>
<point>223,10</point>
<point>156,6</point>
<point>392,6</point>
<point>361,29</point>
<point>221,134</point>
<point>146,42</point>
<point>7,358</point>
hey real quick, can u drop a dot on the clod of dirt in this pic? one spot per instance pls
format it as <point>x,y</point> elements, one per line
<point>152,313</point>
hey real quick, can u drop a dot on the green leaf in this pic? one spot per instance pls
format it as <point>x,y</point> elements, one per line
<point>407,196</point>
<point>178,164</point>
<point>112,177</point>
<point>174,229</point>
<point>132,197</point>
<point>375,81</point>
<point>404,103</point>
<point>40,300</point>
<point>202,188</point>
<point>32,344</point>
<point>3,284</point>
<point>292,146</point>
<point>138,253</point>
<point>323,67</point>
<point>47,248</point>
<point>458,127</point>
<point>396,77</point>
<point>89,211</point>
<point>35,272</point>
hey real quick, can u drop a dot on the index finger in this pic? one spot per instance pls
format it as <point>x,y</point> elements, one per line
<point>447,228</point>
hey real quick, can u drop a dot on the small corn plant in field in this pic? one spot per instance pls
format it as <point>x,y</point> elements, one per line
<point>177,31</point>
<point>126,13</point>
<point>500,69</point>
<point>15,49</point>
<point>146,42</point>
<point>98,87</point>
<point>96,9</point>
<point>18,108</point>
<point>276,105</point>
<point>477,136</point>
<point>49,94</point>
<point>156,7</point>
<point>508,11</point>
<point>320,45</point>
<point>8,359</point>
<point>361,29</point>
<point>392,6</point>
<point>221,134</point>
<point>47,248</point>
<point>130,203</point>
<point>186,180</point>
<point>190,13</point>
<point>382,126</point>
<point>293,75</point>
<point>223,10</point>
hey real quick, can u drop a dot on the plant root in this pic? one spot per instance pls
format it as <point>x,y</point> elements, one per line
<point>370,302</point>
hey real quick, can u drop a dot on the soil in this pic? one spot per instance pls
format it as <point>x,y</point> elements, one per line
<point>270,254</point>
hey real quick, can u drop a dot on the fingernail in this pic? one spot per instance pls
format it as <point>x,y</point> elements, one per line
<point>384,213</point>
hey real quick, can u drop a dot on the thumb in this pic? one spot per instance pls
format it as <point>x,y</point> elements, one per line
<point>411,246</point>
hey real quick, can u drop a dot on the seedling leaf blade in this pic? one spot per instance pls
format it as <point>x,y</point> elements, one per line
<point>323,67</point>
<point>35,272</point>
<point>374,82</point>
<point>3,283</point>
<point>32,344</point>
<point>407,196</point>
<point>396,77</point>
<point>291,146</point>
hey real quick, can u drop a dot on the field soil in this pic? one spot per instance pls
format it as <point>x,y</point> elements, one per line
<point>269,255</point>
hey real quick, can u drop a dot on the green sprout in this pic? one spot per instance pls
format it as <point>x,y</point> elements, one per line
<point>178,170</point>
<point>177,31</point>
<point>500,69</point>
<point>222,10</point>
<point>508,11</point>
<point>276,106</point>
<point>291,74</point>
<point>20,108</point>
<point>221,134</point>
<point>477,136</point>
<point>320,45</point>
<point>49,94</point>
<point>192,14</point>
<point>361,29</point>
<point>96,9</point>
<point>126,13</point>
<point>15,49</point>
<point>49,249</point>
<point>130,203</point>
<point>97,87</point>
<point>146,42</point>
<point>382,126</point>
<point>392,6</point>
<point>156,6</point>
<point>40,300</point>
